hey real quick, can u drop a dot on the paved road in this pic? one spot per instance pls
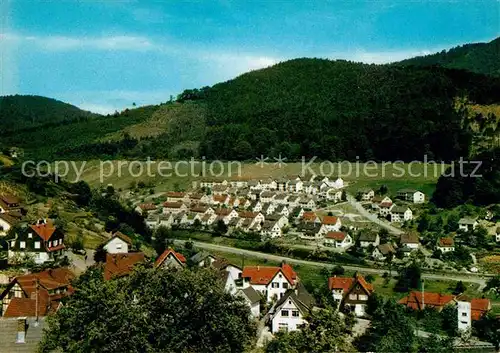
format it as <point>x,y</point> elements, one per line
<point>78,261</point>
<point>371,217</point>
<point>471,278</point>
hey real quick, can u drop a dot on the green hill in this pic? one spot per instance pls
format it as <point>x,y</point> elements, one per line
<point>481,58</point>
<point>335,110</point>
<point>27,112</point>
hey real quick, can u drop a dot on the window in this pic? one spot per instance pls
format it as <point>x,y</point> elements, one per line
<point>285,285</point>
<point>464,314</point>
<point>37,245</point>
<point>295,313</point>
<point>22,244</point>
<point>280,276</point>
<point>30,235</point>
<point>13,243</point>
<point>50,244</point>
<point>275,285</point>
<point>283,326</point>
<point>352,296</point>
<point>284,313</point>
<point>362,297</point>
<point>118,246</point>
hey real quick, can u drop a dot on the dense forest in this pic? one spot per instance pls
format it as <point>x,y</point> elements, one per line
<point>334,110</point>
<point>481,58</point>
<point>32,112</point>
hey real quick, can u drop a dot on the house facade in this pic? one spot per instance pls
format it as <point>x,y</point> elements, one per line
<point>290,311</point>
<point>445,244</point>
<point>411,195</point>
<point>170,259</point>
<point>467,224</point>
<point>271,282</point>
<point>338,240</point>
<point>118,244</point>
<point>401,214</point>
<point>352,292</point>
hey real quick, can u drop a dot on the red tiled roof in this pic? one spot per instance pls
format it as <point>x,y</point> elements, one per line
<point>118,265</point>
<point>172,204</point>
<point>49,279</point>
<point>265,274</point>
<point>437,300</point>
<point>446,241</point>
<point>166,254</point>
<point>309,216</point>
<point>9,199</point>
<point>329,220</point>
<point>247,214</point>
<point>147,206</point>
<point>222,211</point>
<point>55,248</point>
<point>385,204</point>
<point>340,236</point>
<point>346,283</point>
<point>220,198</point>
<point>479,307</point>
<point>174,194</point>
<point>44,231</point>
<point>27,307</point>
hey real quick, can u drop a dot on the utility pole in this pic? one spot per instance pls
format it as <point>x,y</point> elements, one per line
<point>36,301</point>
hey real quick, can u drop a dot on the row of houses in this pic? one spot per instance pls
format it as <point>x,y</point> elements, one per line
<point>386,208</point>
<point>410,195</point>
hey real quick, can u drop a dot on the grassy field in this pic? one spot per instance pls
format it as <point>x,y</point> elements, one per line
<point>169,175</point>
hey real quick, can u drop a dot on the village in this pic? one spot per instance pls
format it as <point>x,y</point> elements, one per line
<point>302,210</point>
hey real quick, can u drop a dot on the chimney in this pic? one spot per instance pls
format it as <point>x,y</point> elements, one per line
<point>21,330</point>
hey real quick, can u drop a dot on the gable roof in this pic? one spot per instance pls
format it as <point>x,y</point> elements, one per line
<point>399,209</point>
<point>409,238</point>
<point>309,216</point>
<point>368,236</point>
<point>329,220</point>
<point>416,301</point>
<point>174,194</point>
<point>147,206</point>
<point>8,218</point>
<point>118,265</point>
<point>121,236</point>
<point>346,283</point>
<point>247,214</point>
<point>300,296</point>
<point>479,307</point>
<point>467,220</point>
<point>44,230</point>
<point>444,242</point>
<point>338,236</point>
<point>175,204</point>
<point>251,294</point>
<point>180,258</point>
<point>200,256</point>
<point>265,274</point>
<point>386,248</point>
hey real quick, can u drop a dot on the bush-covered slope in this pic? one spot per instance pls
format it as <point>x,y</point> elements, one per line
<point>481,58</point>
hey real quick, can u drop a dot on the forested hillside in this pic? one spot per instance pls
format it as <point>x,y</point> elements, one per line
<point>29,112</point>
<point>481,58</point>
<point>335,110</point>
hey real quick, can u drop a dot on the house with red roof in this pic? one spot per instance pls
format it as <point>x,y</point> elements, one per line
<point>42,242</point>
<point>119,265</point>
<point>174,207</point>
<point>352,292</point>
<point>271,281</point>
<point>174,196</point>
<point>418,300</point>
<point>471,309</point>
<point>145,208</point>
<point>445,244</point>
<point>170,259</point>
<point>310,216</point>
<point>330,224</point>
<point>36,294</point>
<point>338,240</point>
<point>119,243</point>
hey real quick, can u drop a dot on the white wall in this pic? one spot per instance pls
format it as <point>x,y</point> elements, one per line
<point>116,246</point>
<point>464,315</point>
<point>291,321</point>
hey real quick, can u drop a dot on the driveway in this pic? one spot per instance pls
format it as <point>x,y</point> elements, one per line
<point>80,264</point>
<point>371,217</point>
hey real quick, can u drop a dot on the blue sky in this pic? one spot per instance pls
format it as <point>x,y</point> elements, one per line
<point>105,55</point>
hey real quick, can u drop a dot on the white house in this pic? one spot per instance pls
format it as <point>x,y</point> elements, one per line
<point>351,292</point>
<point>410,241</point>
<point>229,282</point>
<point>467,224</point>
<point>381,251</point>
<point>445,244</point>
<point>367,239</point>
<point>170,259</point>
<point>338,240</point>
<point>203,259</point>
<point>271,229</point>
<point>334,195</point>
<point>464,315</point>
<point>173,196</point>
<point>282,210</point>
<point>411,195</point>
<point>366,194</point>
<point>174,207</point>
<point>119,243</point>
<point>6,222</point>
<point>272,282</point>
<point>401,214</point>
<point>145,208</point>
<point>295,185</point>
<point>290,311</point>
<point>252,299</point>
<point>330,224</point>
<point>268,184</point>
<point>281,219</point>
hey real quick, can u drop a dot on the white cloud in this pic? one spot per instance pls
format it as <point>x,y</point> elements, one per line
<point>65,43</point>
<point>380,57</point>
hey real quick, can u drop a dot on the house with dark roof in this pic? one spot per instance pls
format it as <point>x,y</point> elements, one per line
<point>382,251</point>
<point>203,259</point>
<point>36,294</point>
<point>309,230</point>
<point>368,238</point>
<point>252,299</point>
<point>119,265</point>
<point>170,259</point>
<point>467,224</point>
<point>119,243</point>
<point>271,281</point>
<point>290,311</point>
<point>42,242</point>
<point>409,242</point>
<point>400,213</point>
<point>9,203</point>
<point>21,335</point>
<point>365,194</point>
<point>411,195</point>
<point>351,292</point>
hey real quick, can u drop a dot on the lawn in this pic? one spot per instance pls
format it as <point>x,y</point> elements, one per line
<point>122,173</point>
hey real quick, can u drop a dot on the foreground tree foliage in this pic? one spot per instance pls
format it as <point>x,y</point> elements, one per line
<point>326,331</point>
<point>150,311</point>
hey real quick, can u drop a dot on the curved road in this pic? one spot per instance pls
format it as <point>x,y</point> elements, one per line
<point>277,258</point>
<point>371,217</point>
